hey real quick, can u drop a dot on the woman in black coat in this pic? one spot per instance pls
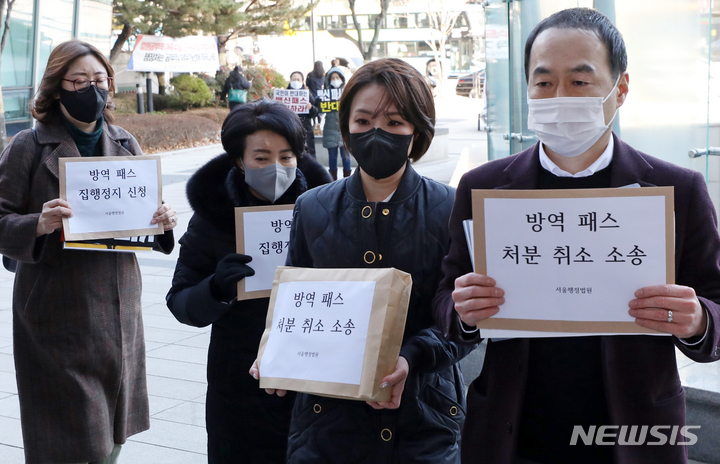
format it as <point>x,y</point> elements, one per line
<point>315,81</point>
<point>235,81</point>
<point>243,423</point>
<point>384,215</point>
<point>296,83</point>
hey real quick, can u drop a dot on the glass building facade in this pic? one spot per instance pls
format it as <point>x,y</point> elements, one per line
<point>673,106</point>
<point>36,27</point>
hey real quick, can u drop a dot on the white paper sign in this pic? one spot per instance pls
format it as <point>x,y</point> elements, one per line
<point>110,196</point>
<point>296,100</point>
<point>319,331</point>
<point>574,259</point>
<point>266,239</point>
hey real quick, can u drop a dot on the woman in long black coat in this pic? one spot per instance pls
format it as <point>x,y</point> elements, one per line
<point>243,423</point>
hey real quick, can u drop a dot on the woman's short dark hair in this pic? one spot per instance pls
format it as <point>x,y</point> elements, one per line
<point>247,119</point>
<point>405,88</point>
<point>589,20</point>
<point>44,106</point>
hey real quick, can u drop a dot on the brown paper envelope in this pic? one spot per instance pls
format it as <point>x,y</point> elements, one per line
<point>240,245</point>
<point>478,211</point>
<point>69,236</point>
<point>385,330</point>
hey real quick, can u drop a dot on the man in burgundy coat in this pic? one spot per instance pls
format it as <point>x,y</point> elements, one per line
<point>532,392</point>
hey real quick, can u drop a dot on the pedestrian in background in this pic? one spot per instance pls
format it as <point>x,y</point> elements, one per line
<point>78,339</point>
<point>296,83</point>
<point>315,80</point>
<point>263,164</point>
<point>235,88</point>
<point>332,139</point>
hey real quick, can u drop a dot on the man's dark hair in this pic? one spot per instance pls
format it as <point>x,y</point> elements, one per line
<point>405,88</point>
<point>245,120</point>
<point>589,20</point>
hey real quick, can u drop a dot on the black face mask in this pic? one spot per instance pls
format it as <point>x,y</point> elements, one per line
<point>87,106</point>
<point>379,153</point>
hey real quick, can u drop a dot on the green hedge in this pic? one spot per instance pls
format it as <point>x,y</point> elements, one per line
<point>191,90</point>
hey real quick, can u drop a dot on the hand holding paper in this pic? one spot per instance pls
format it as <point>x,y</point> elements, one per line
<point>651,306</point>
<point>476,298</point>
<point>229,271</point>
<point>51,217</point>
<point>166,215</point>
<point>396,381</point>
<point>255,373</point>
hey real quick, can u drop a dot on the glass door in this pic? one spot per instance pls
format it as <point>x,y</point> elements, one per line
<point>507,26</point>
<point>497,78</point>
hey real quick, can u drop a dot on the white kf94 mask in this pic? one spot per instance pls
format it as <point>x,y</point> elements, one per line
<point>569,126</point>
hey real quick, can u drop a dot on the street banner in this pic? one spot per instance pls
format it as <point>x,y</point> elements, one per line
<point>263,233</point>
<point>334,332</point>
<point>570,261</point>
<point>329,99</point>
<point>296,100</point>
<point>192,54</point>
<point>111,196</point>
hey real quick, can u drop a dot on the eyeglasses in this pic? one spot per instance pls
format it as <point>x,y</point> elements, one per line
<point>81,85</point>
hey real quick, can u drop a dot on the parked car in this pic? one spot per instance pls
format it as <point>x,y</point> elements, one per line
<point>471,85</point>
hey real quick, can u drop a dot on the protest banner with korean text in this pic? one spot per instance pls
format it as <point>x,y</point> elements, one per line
<point>296,100</point>
<point>189,54</point>
<point>263,233</point>
<point>334,332</point>
<point>570,261</point>
<point>111,196</point>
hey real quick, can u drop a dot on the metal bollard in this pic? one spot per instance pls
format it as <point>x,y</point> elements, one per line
<point>140,101</point>
<point>149,93</point>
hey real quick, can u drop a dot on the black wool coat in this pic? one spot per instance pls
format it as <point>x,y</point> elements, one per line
<point>336,227</point>
<point>237,410</point>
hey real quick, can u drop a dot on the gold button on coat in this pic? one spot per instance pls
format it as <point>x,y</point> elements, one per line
<point>453,411</point>
<point>366,212</point>
<point>386,212</point>
<point>369,257</point>
<point>386,434</point>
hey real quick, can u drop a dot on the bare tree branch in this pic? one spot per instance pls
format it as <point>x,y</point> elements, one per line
<point>359,41</point>
<point>120,41</point>
<point>6,30</point>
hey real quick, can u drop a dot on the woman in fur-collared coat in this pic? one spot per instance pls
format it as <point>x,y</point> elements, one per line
<point>263,164</point>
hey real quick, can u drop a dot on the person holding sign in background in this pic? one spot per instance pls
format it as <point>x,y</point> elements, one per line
<point>533,394</point>
<point>332,139</point>
<point>296,83</point>
<point>384,215</point>
<point>263,164</point>
<point>77,322</point>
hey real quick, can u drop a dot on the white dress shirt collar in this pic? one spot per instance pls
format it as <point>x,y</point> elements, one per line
<point>601,163</point>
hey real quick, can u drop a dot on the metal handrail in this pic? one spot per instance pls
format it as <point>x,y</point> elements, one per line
<point>698,152</point>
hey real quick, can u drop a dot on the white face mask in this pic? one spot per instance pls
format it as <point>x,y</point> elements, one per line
<point>569,126</point>
<point>296,85</point>
<point>336,83</point>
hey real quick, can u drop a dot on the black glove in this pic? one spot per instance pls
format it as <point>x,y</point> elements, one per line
<point>229,271</point>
